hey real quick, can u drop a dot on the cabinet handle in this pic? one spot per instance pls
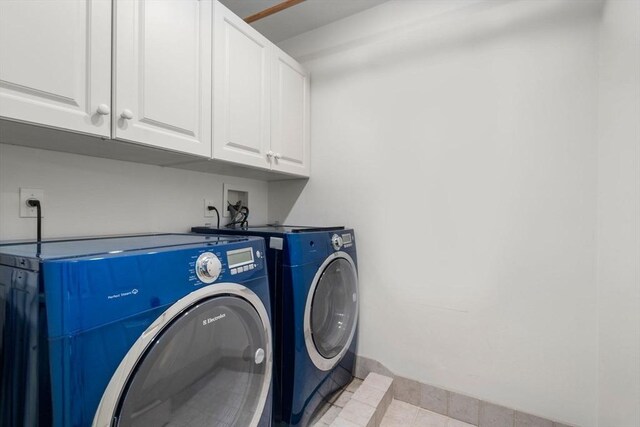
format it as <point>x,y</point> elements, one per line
<point>278,156</point>
<point>127,114</point>
<point>104,110</point>
<point>269,154</point>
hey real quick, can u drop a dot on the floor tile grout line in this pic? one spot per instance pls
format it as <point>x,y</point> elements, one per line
<point>415,417</point>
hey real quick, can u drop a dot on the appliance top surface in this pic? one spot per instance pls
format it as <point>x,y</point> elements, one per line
<point>274,229</point>
<point>110,245</point>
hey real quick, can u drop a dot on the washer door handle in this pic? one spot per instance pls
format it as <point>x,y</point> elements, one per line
<point>259,357</point>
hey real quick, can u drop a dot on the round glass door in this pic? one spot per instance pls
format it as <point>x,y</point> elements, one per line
<point>207,367</point>
<point>332,311</point>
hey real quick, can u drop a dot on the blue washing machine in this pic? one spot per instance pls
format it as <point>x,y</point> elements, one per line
<point>314,291</point>
<point>155,330</point>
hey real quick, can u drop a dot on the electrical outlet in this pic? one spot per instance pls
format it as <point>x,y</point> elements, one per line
<point>209,213</point>
<point>26,194</point>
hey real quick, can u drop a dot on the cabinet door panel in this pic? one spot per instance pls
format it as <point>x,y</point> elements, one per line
<point>290,116</point>
<point>241,91</point>
<point>163,74</point>
<point>55,63</point>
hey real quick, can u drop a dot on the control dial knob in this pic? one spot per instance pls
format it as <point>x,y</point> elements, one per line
<point>336,241</point>
<point>208,267</point>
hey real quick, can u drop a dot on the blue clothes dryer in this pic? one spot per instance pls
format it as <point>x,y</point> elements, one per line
<point>151,330</point>
<point>314,291</point>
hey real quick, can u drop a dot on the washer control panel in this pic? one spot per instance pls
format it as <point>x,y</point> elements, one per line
<point>208,267</point>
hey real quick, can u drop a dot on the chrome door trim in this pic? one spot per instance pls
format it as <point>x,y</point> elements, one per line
<point>106,409</point>
<point>318,360</point>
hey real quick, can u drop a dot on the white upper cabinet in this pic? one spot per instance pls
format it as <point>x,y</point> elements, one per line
<point>162,84</point>
<point>289,116</point>
<point>240,91</point>
<point>186,76</point>
<point>55,63</point>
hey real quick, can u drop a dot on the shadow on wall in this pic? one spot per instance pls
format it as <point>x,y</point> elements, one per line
<point>283,196</point>
<point>459,28</point>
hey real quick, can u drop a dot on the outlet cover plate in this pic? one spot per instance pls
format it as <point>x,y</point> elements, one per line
<point>26,194</point>
<point>207,212</point>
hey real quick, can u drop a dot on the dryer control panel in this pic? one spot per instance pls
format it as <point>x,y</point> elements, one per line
<point>347,240</point>
<point>338,241</point>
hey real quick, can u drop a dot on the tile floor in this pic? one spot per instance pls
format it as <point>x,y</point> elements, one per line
<point>330,411</point>
<point>402,414</point>
<point>399,414</point>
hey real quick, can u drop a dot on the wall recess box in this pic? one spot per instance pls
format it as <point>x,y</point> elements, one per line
<point>232,193</point>
<point>26,194</point>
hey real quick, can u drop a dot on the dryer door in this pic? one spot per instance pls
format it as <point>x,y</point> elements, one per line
<point>331,312</point>
<point>206,361</point>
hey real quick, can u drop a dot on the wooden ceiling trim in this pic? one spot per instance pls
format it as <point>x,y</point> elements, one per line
<point>271,10</point>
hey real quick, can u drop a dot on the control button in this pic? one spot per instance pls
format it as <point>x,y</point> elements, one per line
<point>208,267</point>
<point>251,267</point>
<point>234,271</point>
<point>245,268</point>
<point>259,254</point>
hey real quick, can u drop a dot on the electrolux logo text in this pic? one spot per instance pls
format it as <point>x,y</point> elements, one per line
<point>211,320</point>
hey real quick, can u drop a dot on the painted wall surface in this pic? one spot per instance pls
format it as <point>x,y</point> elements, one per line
<point>87,196</point>
<point>619,216</point>
<point>460,140</point>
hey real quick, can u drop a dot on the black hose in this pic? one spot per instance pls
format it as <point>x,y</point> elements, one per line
<point>35,203</point>
<point>244,222</point>
<point>241,212</point>
<point>213,208</point>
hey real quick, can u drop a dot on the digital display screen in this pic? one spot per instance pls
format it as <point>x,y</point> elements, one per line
<point>240,257</point>
<point>346,238</point>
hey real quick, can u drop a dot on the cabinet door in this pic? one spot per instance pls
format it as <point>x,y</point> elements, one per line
<point>55,63</point>
<point>163,74</point>
<point>240,92</point>
<point>290,116</point>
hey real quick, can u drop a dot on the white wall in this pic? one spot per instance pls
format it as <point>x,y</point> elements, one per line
<point>92,196</point>
<point>619,216</point>
<point>460,140</point>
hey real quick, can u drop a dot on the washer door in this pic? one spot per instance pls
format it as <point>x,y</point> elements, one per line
<point>209,364</point>
<point>331,312</point>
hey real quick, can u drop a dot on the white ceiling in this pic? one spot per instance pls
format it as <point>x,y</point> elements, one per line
<point>300,18</point>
